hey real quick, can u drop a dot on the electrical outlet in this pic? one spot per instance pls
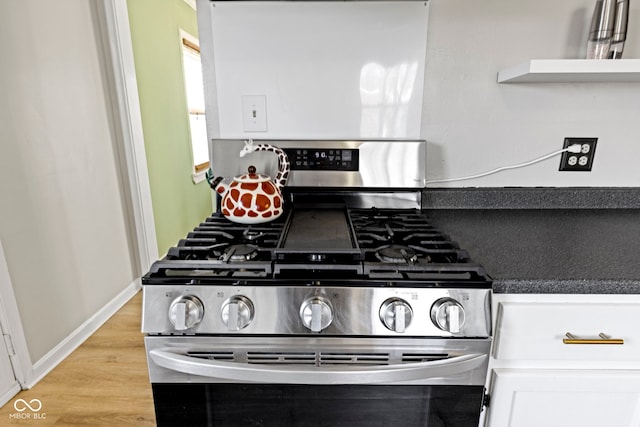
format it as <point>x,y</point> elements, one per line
<point>582,161</point>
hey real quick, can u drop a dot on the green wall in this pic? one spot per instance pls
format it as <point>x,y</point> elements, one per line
<point>178,203</point>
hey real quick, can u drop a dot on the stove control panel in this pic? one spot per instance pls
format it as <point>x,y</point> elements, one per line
<point>315,309</point>
<point>328,159</point>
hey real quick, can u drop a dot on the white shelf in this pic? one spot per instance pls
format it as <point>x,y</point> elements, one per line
<point>572,71</point>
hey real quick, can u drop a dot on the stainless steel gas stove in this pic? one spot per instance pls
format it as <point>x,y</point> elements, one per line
<point>348,309</point>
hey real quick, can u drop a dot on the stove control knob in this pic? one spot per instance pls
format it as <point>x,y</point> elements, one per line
<point>448,315</point>
<point>237,312</point>
<point>316,314</point>
<point>396,314</point>
<point>186,312</point>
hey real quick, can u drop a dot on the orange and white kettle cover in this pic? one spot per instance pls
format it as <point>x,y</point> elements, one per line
<point>253,198</point>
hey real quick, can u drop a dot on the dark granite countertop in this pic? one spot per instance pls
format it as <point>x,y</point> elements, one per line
<point>550,250</point>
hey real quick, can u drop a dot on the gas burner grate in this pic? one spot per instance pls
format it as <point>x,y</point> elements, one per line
<point>240,253</point>
<point>461,273</point>
<point>196,249</point>
<point>396,254</point>
<point>384,244</point>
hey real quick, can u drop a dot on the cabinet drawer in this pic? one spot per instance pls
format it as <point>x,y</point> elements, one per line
<point>535,330</point>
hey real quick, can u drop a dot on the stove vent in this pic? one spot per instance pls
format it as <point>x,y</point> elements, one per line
<point>318,358</point>
<point>353,359</point>
<point>423,357</point>
<point>281,358</point>
<point>226,356</point>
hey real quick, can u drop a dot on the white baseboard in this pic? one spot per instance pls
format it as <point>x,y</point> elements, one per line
<point>60,352</point>
<point>8,395</point>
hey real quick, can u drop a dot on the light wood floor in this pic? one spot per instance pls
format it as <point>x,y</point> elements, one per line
<point>103,383</point>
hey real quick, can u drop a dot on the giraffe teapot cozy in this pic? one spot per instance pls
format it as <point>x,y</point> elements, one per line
<point>253,198</point>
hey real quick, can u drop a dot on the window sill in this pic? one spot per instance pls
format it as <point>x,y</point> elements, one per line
<point>198,177</point>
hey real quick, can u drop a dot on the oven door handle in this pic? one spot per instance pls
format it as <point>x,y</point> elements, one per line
<point>289,374</point>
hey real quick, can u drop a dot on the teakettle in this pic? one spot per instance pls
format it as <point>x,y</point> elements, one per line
<point>253,198</point>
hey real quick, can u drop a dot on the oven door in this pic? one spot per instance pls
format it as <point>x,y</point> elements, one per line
<point>298,382</point>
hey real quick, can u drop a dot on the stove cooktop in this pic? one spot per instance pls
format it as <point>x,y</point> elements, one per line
<point>322,243</point>
<point>332,270</point>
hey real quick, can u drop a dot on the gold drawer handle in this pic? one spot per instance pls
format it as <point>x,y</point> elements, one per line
<point>605,339</point>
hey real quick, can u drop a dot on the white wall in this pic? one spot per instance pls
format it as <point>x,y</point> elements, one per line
<point>326,69</point>
<point>474,124</point>
<point>63,211</point>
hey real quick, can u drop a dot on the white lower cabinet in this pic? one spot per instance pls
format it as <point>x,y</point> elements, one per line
<point>537,378</point>
<point>564,398</point>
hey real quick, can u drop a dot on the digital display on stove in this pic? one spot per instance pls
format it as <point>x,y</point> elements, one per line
<point>328,159</point>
